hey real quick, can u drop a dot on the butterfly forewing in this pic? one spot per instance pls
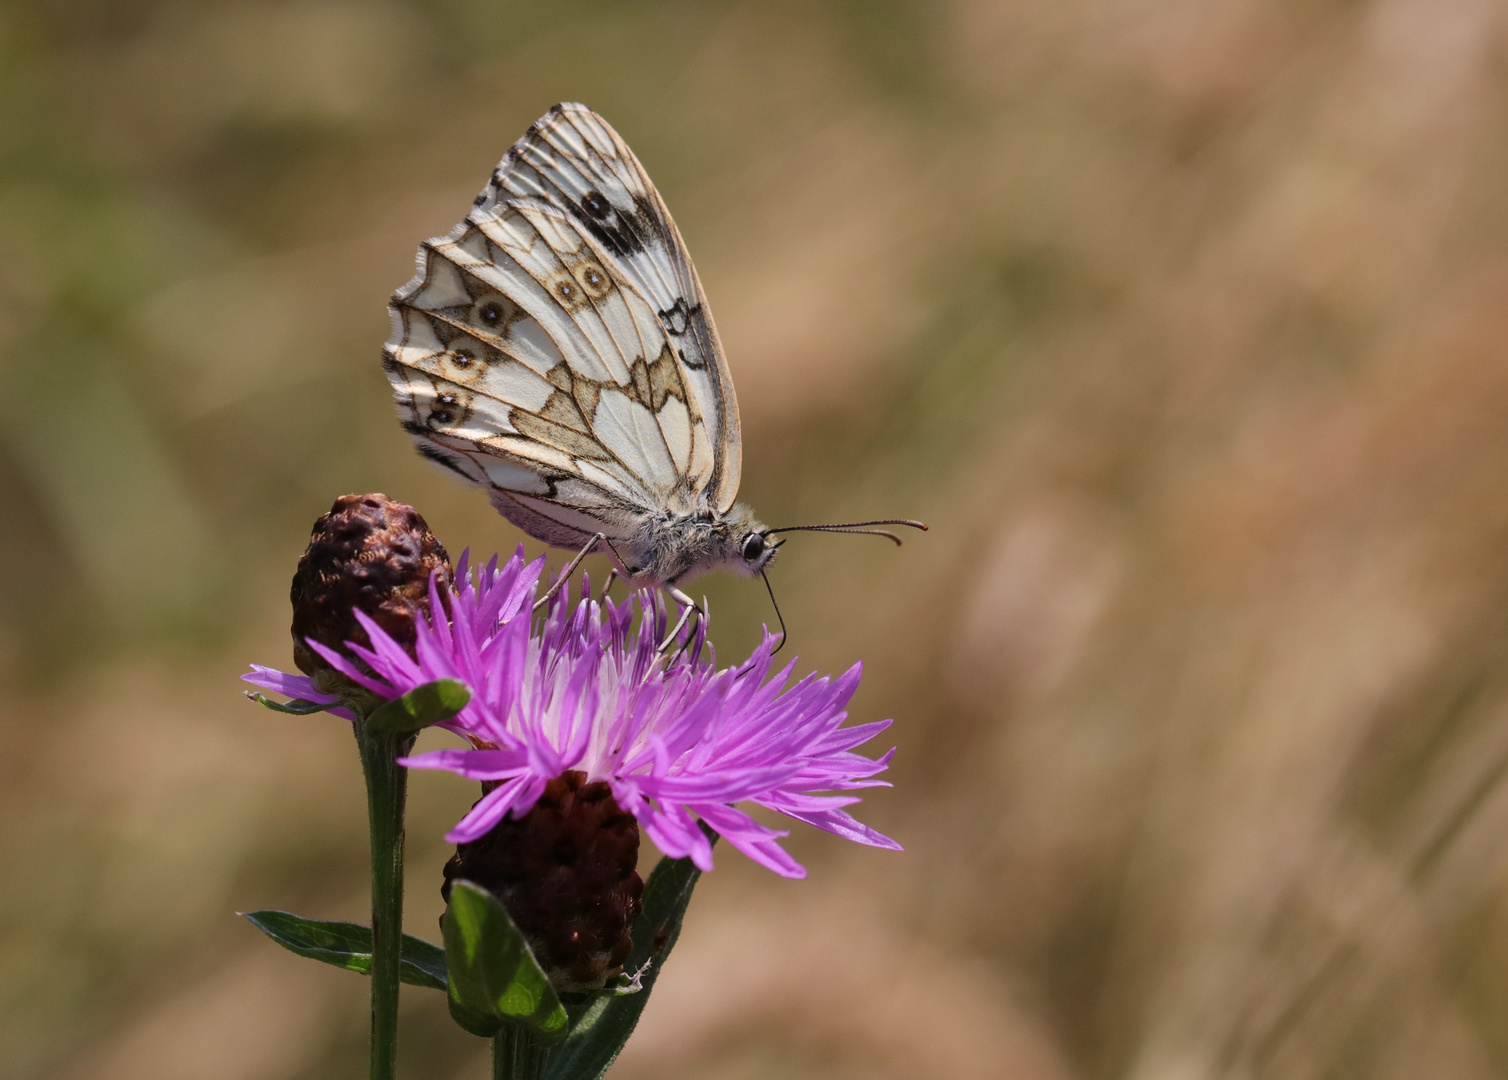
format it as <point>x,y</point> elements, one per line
<point>556,347</point>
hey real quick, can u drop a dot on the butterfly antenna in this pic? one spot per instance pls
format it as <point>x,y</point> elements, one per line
<point>859,527</point>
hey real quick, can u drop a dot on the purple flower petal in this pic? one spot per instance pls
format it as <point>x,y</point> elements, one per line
<point>294,686</point>
<point>280,682</point>
<point>586,688</point>
<point>753,839</point>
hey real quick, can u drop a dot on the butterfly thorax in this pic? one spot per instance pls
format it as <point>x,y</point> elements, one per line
<point>667,547</point>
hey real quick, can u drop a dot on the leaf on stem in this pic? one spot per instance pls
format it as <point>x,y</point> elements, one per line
<point>494,978</point>
<point>349,945</point>
<point>432,703</point>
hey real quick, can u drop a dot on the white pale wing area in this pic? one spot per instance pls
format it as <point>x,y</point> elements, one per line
<point>556,346</point>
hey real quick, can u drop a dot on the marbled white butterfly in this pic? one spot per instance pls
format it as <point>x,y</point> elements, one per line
<point>556,349</point>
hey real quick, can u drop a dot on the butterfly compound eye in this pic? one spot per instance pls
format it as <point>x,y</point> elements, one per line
<point>753,547</point>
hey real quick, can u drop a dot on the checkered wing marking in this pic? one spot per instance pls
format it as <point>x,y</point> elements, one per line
<point>556,347</point>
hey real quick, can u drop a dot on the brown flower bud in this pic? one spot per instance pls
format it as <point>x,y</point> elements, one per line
<point>368,553</point>
<point>566,873</point>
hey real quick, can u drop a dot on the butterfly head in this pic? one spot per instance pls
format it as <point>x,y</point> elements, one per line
<point>757,551</point>
<point>744,543</point>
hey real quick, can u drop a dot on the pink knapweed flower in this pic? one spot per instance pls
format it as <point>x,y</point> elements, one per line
<point>587,689</point>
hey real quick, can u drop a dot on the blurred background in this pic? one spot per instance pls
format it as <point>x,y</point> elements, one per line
<point>1183,322</point>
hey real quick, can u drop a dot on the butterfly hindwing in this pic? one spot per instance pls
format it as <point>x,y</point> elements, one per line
<point>555,347</point>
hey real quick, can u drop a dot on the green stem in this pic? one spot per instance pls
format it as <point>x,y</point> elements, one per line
<point>516,1055</point>
<point>387,789</point>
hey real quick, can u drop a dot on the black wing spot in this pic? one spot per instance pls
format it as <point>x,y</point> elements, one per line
<point>622,233</point>
<point>595,205</point>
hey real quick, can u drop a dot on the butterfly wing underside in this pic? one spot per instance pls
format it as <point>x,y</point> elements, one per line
<point>556,348</point>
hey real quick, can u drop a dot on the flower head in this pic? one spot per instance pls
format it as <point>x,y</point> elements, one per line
<point>567,871</point>
<point>675,739</point>
<point>369,554</point>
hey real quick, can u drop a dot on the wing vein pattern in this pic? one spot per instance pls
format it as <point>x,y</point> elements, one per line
<point>556,348</point>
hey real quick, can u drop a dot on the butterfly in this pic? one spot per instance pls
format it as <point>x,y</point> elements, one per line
<point>556,350</point>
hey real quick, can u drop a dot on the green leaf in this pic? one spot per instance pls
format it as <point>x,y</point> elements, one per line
<point>349,945</point>
<point>295,707</point>
<point>422,706</point>
<point>494,978</point>
<point>600,1025</point>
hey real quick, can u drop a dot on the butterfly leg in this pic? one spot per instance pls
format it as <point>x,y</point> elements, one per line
<point>688,608</point>
<point>612,576</point>
<point>681,598</point>
<point>565,575</point>
<point>670,638</point>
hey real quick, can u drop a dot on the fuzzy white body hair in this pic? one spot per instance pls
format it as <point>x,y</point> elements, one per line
<point>666,548</point>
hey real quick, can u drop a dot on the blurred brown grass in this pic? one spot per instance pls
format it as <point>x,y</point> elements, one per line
<point>1184,324</point>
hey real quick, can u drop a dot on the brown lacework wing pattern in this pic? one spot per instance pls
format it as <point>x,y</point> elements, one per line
<point>556,350</point>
